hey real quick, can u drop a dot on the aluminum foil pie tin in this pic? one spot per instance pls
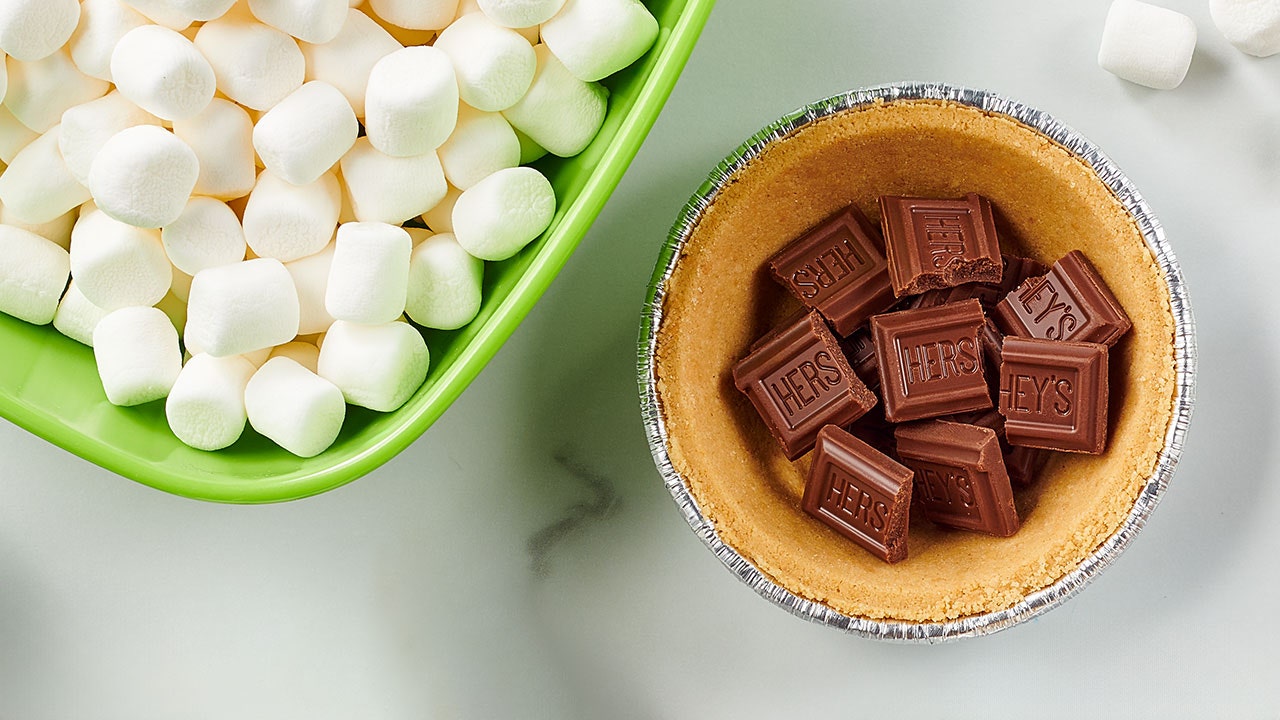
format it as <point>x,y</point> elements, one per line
<point>1184,358</point>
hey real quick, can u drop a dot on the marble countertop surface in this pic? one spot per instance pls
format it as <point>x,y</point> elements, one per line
<point>522,560</point>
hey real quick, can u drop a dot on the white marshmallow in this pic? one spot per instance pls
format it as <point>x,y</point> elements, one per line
<point>391,189</point>
<point>345,61</point>
<point>33,273</point>
<point>162,12</point>
<point>180,285</point>
<point>1146,44</point>
<point>175,309</point>
<point>162,72</point>
<point>222,139</point>
<point>597,38</point>
<point>37,186</point>
<point>295,408</point>
<point>41,90</point>
<point>102,24</point>
<point>530,151</point>
<point>306,134</point>
<point>143,176</point>
<point>286,221</point>
<point>375,366</point>
<point>404,36</point>
<point>417,235</point>
<point>560,112</point>
<point>444,284</point>
<point>303,353</point>
<point>481,144</point>
<point>202,10</point>
<point>416,14</point>
<point>369,279</point>
<point>520,13</point>
<point>13,135</point>
<point>311,279</point>
<point>57,230</point>
<point>1253,26</point>
<point>86,128</point>
<point>411,104</point>
<point>255,65</point>
<point>494,64</point>
<point>440,217</point>
<point>207,234</point>
<point>258,358</point>
<point>501,214</point>
<point>117,265</point>
<point>33,29</point>
<point>240,308</point>
<point>205,408</point>
<point>76,316</point>
<point>313,21</point>
<point>138,355</point>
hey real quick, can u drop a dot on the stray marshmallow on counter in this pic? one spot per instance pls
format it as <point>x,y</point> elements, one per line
<point>207,234</point>
<point>345,61</point>
<point>311,280</point>
<point>86,128</point>
<point>560,112</point>
<point>481,144</point>
<point>416,14</point>
<point>138,357</point>
<point>41,90</point>
<point>411,105</point>
<point>520,13</point>
<point>32,275</point>
<point>494,64</point>
<point>391,189</point>
<point>222,139</point>
<point>306,134</point>
<point>37,186</point>
<point>294,408</point>
<point>241,308</point>
<point>495,218</point>
<point>33,29</point>
<point>255,65</point>
<point>205,408</point>
<point>597,38</point>
<point>444,284</point>
<point>286,221</point>
<point>313,21</point>
<point>378,367</point>
<point>102,24</point>
<point>162,72</point>
<point>369,279</point>
<point>76,317</point>
<point>1253,26</point>
<point>143,176</point>
<point>118,265</point>
<point>1146,44</point>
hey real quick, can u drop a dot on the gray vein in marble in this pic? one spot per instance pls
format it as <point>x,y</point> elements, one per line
<point>602,501</point>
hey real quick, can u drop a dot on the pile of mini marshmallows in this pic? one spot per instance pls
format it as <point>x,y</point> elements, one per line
<point>1152,46</point>
<point>199,166</point>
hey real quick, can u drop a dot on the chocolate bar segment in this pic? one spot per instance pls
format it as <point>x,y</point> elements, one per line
<point>1053,394</point>
<point>860,493</point>
<point>838,269</point>
<point>934,243</point>
<point>1070,302</point>
<point>1020,462</point>
<point>799,381</point>
<point>960,478</point>
<point>1016,271</point>
<point>860,350</point>
<point>930,361</point>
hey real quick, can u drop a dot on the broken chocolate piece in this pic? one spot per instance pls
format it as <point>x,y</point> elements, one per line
<point>934,243</point>
<point>960,478</point>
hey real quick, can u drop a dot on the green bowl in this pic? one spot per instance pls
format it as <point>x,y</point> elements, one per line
<point>49,383</point>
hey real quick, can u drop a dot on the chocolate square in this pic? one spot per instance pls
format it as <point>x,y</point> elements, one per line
<point>1071,302</point>
<point>1021,463</point>
<point>838,269</point>
<point>1016,271</point>
<point>799,381</point>
<point>960,478</point>
<point>1053,394</point>
<point>860,493</point>
<point>934,243</point>
<point>860,350</point>
<point>930,361</point>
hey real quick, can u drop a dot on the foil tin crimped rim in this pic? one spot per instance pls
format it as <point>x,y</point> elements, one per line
<point>1184,360</point>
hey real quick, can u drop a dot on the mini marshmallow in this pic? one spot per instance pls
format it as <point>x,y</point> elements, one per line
<point>37,186</point>
<point>162,72</point>
<point>255,65</point>
<point>240,308</point>
<point>375,366</point>
<point>411,104</point>
<point>597,38</point>
<point>138,355</point>
<point>444,284</point>
<point>416,14</point>
<point>33,273</point>
<point>13,135</point>
<point>76,317</point>
<point>560,112</point>
<point>520,13</point>
<point>369,279</point>
<point>41,90</point>
<point>143,176</point>
<point>205,408</point>
<point>1146,44</point>
<point>288,222</point>
<point>345,61</point>
<point>501,214</point>
<point>404,36</point>
<point>295,408</point>
<point>117,265</point>
<point>102,24</point>
<point>162,12</point>
<point>494,64</point>
<point>311,279</point>
<point>33,29</point>
<point>481,144</point>
<point>313,21</point>
<point>202,10</point>
<point>1253,26</point>
<point>86,128</point>
<point>222,139</point>
<point>440,217</point>
<point>258,358</point>
<point>306,134</point>
<point>303,353</point>
<point>207,234</point>
<point>57,230</point>
<point>391,189</point>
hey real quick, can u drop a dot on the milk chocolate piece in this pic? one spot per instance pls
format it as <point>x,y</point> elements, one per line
<point>860,493</point>
<point>960,478</point>
<point>939,243</point>
<point>1016,271</point>
<point>860,350</point>
<point>838,269</point>
<point>799,381</point>
<point>930,361</point>
<point>1020,462</point>
<point>1053,394</point>
<point>1071,302</point>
